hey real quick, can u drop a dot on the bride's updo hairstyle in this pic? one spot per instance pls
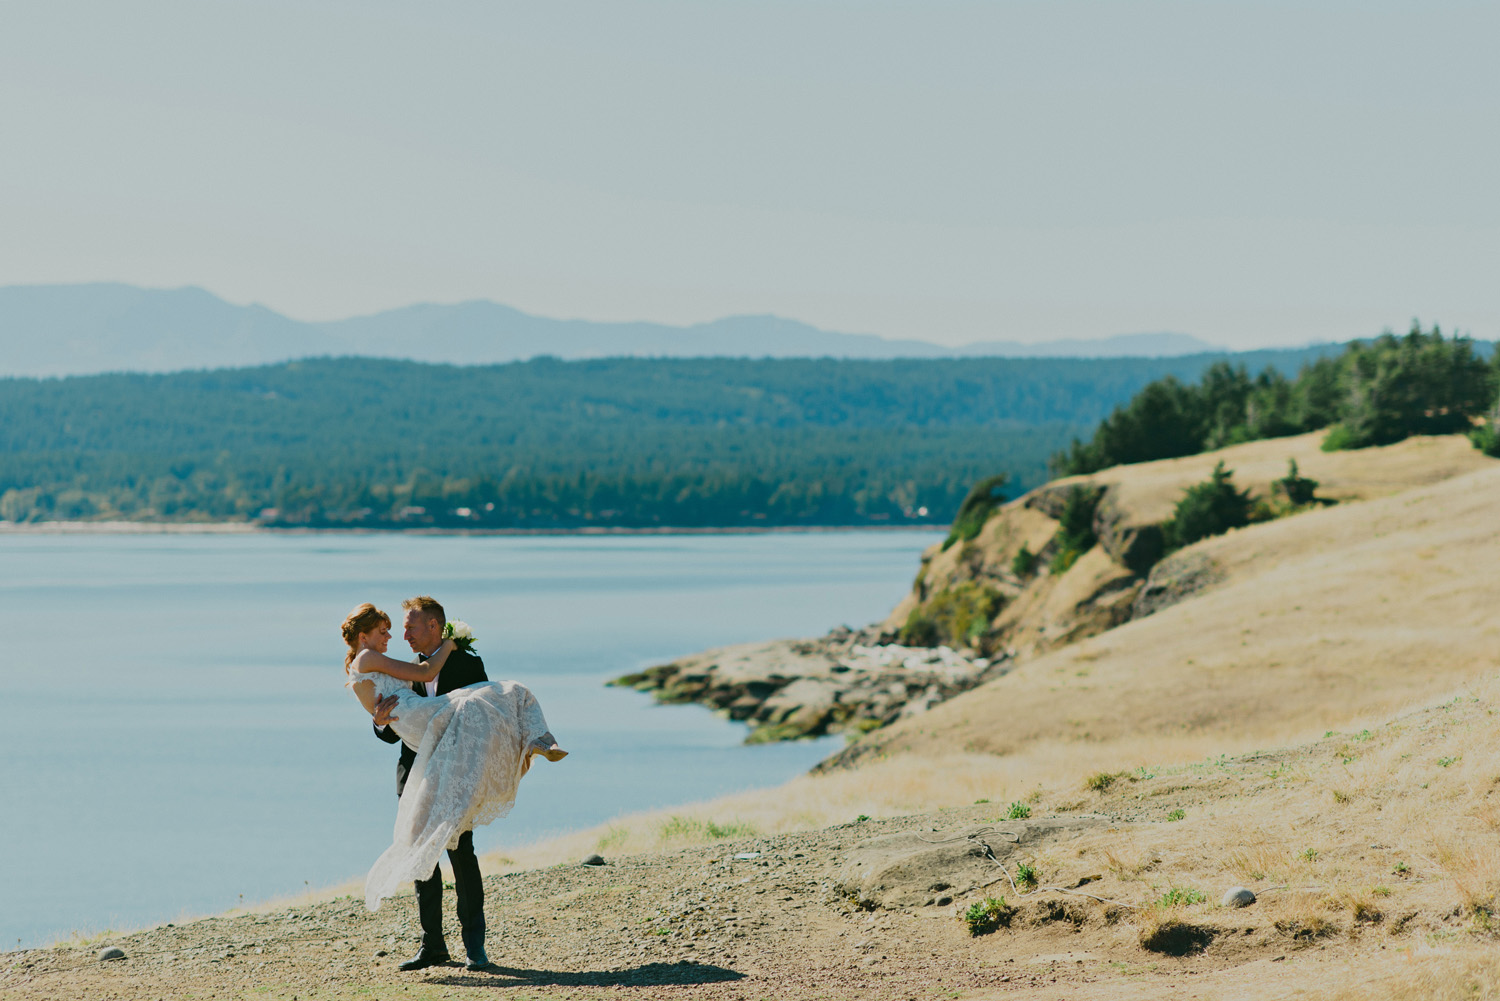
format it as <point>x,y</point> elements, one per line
<point>363,619</point>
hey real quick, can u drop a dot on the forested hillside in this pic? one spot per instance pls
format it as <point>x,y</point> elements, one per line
<point>551,444</point>
<point>1374,392</point>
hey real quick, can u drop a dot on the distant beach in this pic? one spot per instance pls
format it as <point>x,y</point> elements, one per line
<point>128,527</point>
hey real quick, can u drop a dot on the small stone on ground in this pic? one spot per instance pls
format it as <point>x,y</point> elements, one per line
<point>1238,896</point>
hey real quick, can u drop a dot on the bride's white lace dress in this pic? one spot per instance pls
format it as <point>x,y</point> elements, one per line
<point>473,745</point>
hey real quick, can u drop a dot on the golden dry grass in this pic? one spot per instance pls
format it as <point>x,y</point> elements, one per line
<point>1325,619</point>
<point>1150,490</point>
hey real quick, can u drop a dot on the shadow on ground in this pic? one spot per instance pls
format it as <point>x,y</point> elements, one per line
<point>650,975</point>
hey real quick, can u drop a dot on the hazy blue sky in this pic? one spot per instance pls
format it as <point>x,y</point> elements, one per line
<point>1251,173</point>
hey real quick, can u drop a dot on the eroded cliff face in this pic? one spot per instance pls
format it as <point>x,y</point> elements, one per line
<point>1038,595</point>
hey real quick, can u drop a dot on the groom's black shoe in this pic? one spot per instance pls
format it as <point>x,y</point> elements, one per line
<point>425,957</point>
<point>474,945</point>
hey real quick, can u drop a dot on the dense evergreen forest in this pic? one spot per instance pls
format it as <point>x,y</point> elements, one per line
<point>1373,393</point>
<point>550,444</point>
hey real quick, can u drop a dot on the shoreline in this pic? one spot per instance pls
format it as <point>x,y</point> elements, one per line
<point>248,528</point>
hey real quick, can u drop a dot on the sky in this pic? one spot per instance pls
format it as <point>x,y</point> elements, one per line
<point>1253,174</point>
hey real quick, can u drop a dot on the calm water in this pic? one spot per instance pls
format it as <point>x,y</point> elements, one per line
<point>178,739</point>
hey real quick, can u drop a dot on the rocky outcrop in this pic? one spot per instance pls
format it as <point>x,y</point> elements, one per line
<point>786,689</point>
<point>1041,595</point>
<point>1175,578</point>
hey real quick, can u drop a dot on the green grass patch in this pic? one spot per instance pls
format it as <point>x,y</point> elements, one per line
<point>1179,896</point>
<point>987,915</point>
<point>676,828</point>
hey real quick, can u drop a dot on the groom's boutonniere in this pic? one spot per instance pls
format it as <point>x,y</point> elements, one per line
<point>461,635</point>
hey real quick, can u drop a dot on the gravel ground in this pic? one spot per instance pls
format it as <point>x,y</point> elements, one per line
<point>696,922</point>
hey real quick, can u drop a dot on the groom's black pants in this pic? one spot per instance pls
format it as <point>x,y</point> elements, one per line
<point>470,888</point>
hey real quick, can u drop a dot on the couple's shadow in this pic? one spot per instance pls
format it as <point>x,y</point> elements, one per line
<point>649,975</point>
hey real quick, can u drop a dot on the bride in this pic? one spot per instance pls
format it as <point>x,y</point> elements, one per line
<point>473,745</point>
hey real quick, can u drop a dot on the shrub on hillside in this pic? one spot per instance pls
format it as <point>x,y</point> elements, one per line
<point>1023,564</point>
<point>1075,533</point>
<point>957,616</point>
<point>986,915</point>
<point>981,501</point>
<point>1487,438</point>
<point>1209,508</point>
<point>1297,490</point>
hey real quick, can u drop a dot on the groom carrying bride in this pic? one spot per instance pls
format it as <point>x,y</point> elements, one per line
<point>423,631</point>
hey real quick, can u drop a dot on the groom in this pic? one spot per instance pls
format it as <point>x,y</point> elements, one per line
<point>424,623</point>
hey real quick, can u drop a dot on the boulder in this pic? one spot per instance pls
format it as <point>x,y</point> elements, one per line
<point>1238,896</point>
<point>1129,542</point>
<point>802,707</point>
<point>1175,578</point>
<point>111,953</point>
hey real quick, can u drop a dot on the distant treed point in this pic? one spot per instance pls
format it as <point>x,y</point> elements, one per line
<point>1375,393</point>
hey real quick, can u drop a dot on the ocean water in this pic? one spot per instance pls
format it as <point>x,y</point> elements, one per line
<point>178,741</point>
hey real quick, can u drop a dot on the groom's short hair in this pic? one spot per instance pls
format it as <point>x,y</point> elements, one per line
<point>427,605</point>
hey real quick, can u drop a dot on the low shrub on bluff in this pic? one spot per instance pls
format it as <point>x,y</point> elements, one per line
<point>956,616</point>
<point>986,495</point>
<point>1487,438</point>
<point>1294,488</point>
<point>1212,507</point>
<point>1075,530</point>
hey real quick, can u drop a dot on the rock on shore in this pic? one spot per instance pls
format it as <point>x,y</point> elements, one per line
<point>786,689</point>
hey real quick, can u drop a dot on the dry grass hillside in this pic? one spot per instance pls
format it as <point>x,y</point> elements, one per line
<point>1032,613</point>
<point>1312,621</point>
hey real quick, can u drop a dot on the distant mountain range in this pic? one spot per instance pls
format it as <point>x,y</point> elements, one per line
<point>48,330</point>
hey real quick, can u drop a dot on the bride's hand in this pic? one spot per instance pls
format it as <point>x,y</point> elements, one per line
<point>448,646</point>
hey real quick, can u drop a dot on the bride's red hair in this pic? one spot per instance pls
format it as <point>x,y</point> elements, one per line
<point>364,618</point>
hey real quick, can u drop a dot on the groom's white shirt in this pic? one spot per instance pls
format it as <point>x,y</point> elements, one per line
<point>431,686</point>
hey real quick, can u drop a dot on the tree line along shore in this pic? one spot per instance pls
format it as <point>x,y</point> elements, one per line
<point>682,443</point>
<point>633,443</point>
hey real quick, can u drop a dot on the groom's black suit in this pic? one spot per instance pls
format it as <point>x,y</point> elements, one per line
<point>459,671</point>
